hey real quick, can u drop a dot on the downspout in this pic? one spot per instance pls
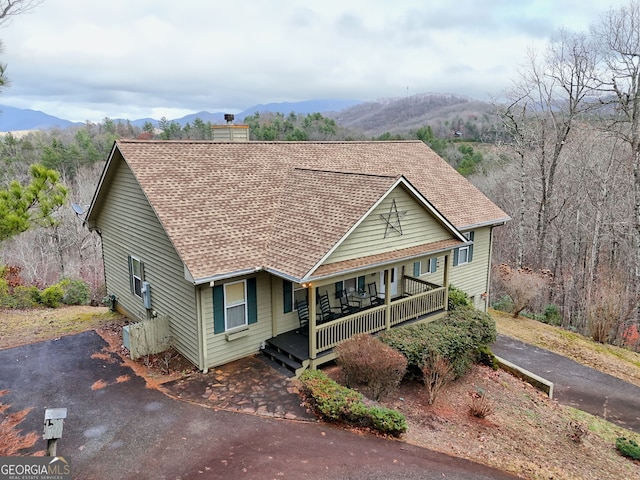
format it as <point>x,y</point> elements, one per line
<point>485,296</point>
<point>202,338</point>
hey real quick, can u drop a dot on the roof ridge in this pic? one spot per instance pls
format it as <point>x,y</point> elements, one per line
<point>378,175</point>
<point>265,142</point>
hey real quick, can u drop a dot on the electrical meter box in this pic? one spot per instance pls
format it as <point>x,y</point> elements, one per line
<point>146,295</point>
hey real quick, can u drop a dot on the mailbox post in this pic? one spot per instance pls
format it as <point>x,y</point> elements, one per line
<point>53,422</point>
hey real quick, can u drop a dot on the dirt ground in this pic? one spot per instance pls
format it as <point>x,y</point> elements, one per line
<point>527,434</point>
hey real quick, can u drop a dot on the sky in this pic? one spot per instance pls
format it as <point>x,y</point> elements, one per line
<point>86,60</point>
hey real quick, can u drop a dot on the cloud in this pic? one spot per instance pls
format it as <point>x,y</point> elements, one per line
<point>117,58</point>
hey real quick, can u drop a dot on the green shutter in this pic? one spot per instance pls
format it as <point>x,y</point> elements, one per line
<point>252,301</point>
<point>455,257</point>
<point>471,247</point>
<point>361,281</point>
<point>218,309</point>
<point>416,269</point>
<point>287,295</point>
<point>131,274</point>
<point>339,289</point>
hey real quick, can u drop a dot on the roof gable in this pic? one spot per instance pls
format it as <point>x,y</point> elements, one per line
<point>400,219</point>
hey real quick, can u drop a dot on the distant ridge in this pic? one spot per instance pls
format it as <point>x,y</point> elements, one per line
<point>445,112</point>
<point>13,119</point>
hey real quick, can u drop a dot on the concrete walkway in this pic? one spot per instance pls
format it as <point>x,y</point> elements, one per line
<point>117,428</point>
<point>576,385</point>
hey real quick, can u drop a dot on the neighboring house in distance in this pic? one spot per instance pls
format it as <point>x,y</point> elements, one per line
<point>287,246</point>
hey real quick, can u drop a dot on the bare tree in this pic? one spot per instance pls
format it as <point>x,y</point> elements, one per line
<point>12,8</point>
<point>618,36</point>
<point>545,104</point>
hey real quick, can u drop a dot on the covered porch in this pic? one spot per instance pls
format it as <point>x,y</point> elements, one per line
<point>301,348</point>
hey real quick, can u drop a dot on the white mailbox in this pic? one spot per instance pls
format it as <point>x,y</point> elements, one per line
<point>53,420</point>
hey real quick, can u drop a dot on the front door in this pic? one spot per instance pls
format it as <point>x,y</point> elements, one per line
<point>393,285</point>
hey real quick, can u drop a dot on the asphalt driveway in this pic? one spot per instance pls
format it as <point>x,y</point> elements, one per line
<point>117,428</point>
<point>576,385</point>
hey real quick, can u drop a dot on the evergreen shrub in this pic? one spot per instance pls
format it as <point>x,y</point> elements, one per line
<point>629,448</point>
<point>336,403</point>
<point>52,296</point>
<point>76,292</point>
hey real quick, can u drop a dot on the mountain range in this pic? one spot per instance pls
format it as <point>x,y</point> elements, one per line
<point>13,119</point>
<point>392,115</point>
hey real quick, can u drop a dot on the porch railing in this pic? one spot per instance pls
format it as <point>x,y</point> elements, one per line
<point>415,306</point>
<point>374,320</point>
<point>414,286</point>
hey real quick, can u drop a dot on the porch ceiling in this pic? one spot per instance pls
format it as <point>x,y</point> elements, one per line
<point>404,254</point>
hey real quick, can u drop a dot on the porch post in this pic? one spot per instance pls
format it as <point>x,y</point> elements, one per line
<point>387,298</point>
<point>311,295</point>
<point>447,270</point>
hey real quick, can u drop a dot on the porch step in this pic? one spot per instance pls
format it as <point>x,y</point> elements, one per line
<point>294,366</point>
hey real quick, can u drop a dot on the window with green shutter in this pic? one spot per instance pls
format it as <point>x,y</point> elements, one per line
<point>464,255</point>
<point>235,305</point>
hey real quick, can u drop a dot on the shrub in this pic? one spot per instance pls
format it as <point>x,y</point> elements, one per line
<point>365,359</point>
<point>384,420</point>
<point>628,448</point>
<point>26,297</point>
<point>480,405</point>
<point>436,373</point>
<point>457,298</point>
<point>486,357</point>
<point>76,292</point>
<point>523,285</point>
<point>337,403</point>
<point>6,300</point>
<point>52,296</point>
<point>480,326</point>
<point>552,315</point>
<point>457,338</point>
<point>505,304</point>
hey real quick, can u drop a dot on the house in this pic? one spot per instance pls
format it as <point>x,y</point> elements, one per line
<point>236,242</point>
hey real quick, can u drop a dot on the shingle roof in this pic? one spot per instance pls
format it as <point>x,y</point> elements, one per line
<point>230,207</point>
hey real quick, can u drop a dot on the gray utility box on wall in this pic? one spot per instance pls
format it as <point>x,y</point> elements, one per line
<point>146,295</point>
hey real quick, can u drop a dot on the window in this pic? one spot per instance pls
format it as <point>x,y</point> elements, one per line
<point>423,267</point>
<point>235,305</point>
<point>350,285</point>
<point>464,255</point>
<point>136,273</point>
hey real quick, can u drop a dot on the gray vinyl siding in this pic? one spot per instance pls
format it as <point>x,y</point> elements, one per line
<point>218,349</point>
<point>418,227</point>
<point>130,227</point>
